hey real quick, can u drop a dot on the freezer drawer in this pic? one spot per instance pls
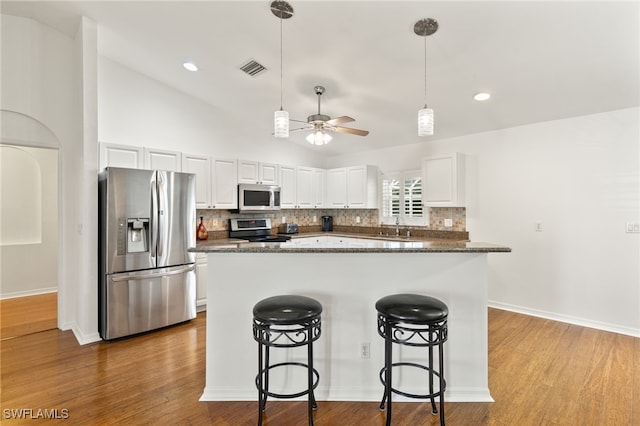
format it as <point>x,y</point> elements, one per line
<point>135,302</point>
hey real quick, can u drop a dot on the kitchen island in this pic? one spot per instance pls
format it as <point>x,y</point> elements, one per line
<point>347,276</point>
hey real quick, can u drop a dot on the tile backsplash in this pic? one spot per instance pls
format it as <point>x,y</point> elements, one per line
<point>217,221</point>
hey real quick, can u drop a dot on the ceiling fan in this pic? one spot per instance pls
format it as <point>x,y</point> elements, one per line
<point>321,123</point>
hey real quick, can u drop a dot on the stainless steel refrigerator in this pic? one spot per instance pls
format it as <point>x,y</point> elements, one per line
<point>147,223</point>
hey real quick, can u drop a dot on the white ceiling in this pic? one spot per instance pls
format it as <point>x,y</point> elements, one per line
<point>541,60</point>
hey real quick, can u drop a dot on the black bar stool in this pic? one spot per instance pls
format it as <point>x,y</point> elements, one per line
<point>413,320</point>
<point>286,321</point>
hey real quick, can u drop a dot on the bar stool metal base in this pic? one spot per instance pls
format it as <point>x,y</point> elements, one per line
<point>419,321</point>
<point>286,322</point>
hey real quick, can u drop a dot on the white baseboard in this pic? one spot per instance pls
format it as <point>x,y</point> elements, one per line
<point>566,318</point>
<point>358,394</point>
<point>84,338</point>
<point>37,292</point>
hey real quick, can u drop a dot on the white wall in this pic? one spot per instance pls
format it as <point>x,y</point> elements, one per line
<point>137,110</point>
<point>29,213</point>
<point>580,178</point>
<point>46,76</point>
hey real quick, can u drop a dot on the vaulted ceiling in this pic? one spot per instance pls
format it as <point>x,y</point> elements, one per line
<point>540,60</point>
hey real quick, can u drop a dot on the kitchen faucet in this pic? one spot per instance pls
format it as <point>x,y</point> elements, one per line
<point>397,226</point>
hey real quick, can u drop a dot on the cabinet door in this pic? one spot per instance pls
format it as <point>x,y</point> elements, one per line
<point>225,184</point>
<point>357,187</point>
<point>200,165</point>
<point>304,188</point>
<point>112,155</point>
<point>319,187</point>
<point>443,180</point>
<point>337,188</point>
<point>248,171</point>
<point>268,173</point>
<point>157,159</point>
<point>288,187</point>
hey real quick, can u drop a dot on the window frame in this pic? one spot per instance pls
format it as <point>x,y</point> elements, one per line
<point>401,177</point>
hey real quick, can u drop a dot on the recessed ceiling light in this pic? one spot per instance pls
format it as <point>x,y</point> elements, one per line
<point>190,66</point>
<point>480,97</point>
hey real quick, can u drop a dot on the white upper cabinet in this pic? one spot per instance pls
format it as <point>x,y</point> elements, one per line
<point>225,184</point>
<point>337,188</point>
<point>304,188</point>
<point>159,159</point>
<point>443,180</point>
<point>256,172</point>
<point>319,188</point>
<point>112,155</point>
<point>352,187</point>
<point>200,165</point>
<point>301,187</point>
<point>216,181</point>
<point>288,187</point>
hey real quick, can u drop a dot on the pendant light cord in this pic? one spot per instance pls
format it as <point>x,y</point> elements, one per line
<point>425,71</point>
<point>281,61</point>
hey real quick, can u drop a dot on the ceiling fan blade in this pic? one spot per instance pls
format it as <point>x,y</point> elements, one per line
<point>340,120</point>
<point>350,131</point>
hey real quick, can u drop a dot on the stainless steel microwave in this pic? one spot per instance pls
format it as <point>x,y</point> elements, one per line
<point>258,198</point>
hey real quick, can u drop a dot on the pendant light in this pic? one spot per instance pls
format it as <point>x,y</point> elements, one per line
<point>282,10</point>
<point>424,28</point>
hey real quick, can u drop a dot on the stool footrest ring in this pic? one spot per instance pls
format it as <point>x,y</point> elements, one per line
<point>288,395</point>
<point>411,395</point>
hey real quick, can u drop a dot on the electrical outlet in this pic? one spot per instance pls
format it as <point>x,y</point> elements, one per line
<point>365,350</point>
<point>284,219</point>
<point>538,226</point>
<point>448,223</point>
<point>315,219</point>
<point>633,227</point>
<point>357,219</point>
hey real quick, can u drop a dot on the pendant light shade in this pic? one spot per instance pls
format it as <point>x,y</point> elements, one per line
<point>425,122</point>
<point>281,124</point>
<point>318,137</point>
<point>282,10</point>
<point>424,28</point>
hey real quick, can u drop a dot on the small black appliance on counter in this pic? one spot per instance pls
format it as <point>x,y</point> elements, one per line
<point>327,223</point>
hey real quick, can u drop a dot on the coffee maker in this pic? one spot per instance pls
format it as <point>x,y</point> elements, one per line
<point>327,223</point>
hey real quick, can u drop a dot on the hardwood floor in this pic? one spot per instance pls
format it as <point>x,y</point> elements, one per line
<point>540,372</point>
<point>26,315</point>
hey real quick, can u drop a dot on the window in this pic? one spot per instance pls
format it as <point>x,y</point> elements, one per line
<point>402,198</point>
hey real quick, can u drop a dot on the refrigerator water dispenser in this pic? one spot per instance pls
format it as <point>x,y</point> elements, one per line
<point>137,235</point>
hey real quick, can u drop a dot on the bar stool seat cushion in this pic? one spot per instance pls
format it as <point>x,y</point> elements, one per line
<point>286,309</point>
<point>412,308</point>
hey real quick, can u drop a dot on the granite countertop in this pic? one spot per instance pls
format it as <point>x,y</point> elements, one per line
<point>366,244</point>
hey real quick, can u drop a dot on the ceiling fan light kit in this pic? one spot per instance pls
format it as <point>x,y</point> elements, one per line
<point>282,10</point>
<point>318,137</point>
<point>424,28</point>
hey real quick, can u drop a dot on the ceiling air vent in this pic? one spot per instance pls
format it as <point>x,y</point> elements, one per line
<point>253,68</point>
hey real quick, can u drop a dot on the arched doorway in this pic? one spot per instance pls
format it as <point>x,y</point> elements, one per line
<point>29,225</point>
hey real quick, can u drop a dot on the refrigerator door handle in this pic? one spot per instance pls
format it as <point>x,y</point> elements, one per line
<point>154,218</point>
<point>162,220</point>
<point>156,275</point>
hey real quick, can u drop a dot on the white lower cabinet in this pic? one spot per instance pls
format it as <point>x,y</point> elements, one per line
<point>201,282</point>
